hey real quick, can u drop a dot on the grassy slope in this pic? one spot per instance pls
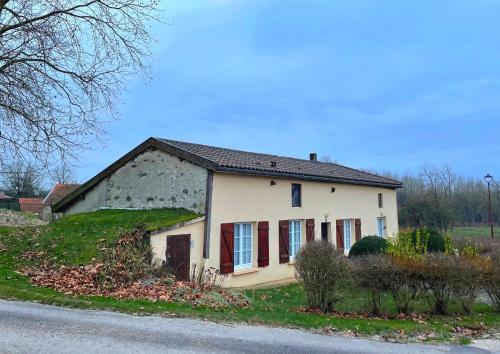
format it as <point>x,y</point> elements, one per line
<point>72,240</point>
<point>274,306</point>
<point>475,231</point>
<point>75,239</point>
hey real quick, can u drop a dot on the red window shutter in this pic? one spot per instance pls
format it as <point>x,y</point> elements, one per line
<point>309,230</point>
<point>226,248</point>
<point>263,251</point>
<point>340,235</point>
<point>284,241</point>
<point>357,229</point>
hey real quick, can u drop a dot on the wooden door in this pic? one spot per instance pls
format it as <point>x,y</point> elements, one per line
<point>324,230</point>
<point>178,255</point>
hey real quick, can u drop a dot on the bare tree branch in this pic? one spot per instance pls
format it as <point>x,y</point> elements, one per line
<point>63,63</point>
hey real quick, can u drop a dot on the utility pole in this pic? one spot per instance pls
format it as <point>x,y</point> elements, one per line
<point>488,179</point>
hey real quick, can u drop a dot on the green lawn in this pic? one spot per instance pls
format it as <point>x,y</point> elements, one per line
<point>475,231</point>
<point>75,239</point>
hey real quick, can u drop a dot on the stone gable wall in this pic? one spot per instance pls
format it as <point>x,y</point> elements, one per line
<point>154,179</point>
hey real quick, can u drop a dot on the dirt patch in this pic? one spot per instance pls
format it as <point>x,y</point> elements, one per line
<point>14,218</point>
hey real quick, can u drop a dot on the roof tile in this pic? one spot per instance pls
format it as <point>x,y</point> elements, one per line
<point>287,166</point>
<point>58,192</point>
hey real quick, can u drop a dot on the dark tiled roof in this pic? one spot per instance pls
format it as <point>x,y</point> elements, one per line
<point>233,161</point>
<point>58,192</point>
<point>263,164</point>
<point>4,196</point>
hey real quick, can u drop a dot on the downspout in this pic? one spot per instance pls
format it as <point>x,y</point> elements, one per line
<point>208,215</point>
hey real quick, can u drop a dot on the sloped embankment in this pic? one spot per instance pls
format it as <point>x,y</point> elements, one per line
<point>93,254</point>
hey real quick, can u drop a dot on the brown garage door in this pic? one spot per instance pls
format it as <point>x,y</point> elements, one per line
<point>178,261</point>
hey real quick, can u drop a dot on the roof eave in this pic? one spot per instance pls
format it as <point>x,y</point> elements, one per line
<point>303,177</point>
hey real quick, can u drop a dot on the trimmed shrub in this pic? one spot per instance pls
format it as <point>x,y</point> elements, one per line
<point>438,270</point>
<point>398,275</point>
<point>371,272</point>
<point>468,279</point>
<point>320,267</point>
<point>435,241</point>
<point>368,245</point>
<point>405,283</point>
<point>491,281</point>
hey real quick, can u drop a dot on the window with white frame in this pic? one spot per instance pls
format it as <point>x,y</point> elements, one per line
<point>242,245</point>
<point>295,233</point>
<point>347,235</point>
<point>380,227</point>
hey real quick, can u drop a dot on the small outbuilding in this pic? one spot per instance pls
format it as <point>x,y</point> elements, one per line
<point>31,205</point>
<point>58,192</point>
<point>7,202</point>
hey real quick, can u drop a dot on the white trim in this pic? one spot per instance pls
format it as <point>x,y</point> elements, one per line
<point>178,225</point>
<point>245,271</point>
<point>347,222</point>
<point>292,233</point>
<point>242,249</point>
<point>44,199</point>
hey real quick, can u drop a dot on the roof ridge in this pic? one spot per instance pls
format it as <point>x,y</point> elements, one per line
<point>273,155</point>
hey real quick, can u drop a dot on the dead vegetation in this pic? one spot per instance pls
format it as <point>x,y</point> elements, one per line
<point>18,219</point>
<point>126,271</point>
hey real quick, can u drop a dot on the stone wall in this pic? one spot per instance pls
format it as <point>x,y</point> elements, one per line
<point>153,179</point>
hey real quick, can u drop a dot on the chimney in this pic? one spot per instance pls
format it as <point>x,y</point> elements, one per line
<point>313,156</point>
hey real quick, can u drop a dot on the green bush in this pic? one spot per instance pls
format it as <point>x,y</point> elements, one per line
<point>435,241</point>
<point>321,267</point>
<point>368,245</point>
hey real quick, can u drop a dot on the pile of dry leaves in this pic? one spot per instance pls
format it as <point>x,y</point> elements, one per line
<point>126,272</point>
<point>82,280</point>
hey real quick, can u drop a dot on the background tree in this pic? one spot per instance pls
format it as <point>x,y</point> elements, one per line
<point>437,197</point>
<point>62,174</point>
<point>22,180</point>
<point>325,158</point>
<point>62,65</point>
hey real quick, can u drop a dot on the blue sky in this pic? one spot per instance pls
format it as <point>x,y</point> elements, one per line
<point>385,85</point>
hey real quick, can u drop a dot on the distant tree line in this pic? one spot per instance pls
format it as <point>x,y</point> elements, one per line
<point>21,179</point>
<point>440,198</point>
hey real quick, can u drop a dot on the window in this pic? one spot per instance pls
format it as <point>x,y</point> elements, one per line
<point>380,200</point>
<point>296,195</point>
<point>242,245</point>
<point>295,233</point>
<point>347,235</point>
<point>380,227</point>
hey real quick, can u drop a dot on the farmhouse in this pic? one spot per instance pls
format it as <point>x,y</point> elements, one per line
<point>256,210</point>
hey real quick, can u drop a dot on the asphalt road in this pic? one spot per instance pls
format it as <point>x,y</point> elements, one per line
<point>35,328</point>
